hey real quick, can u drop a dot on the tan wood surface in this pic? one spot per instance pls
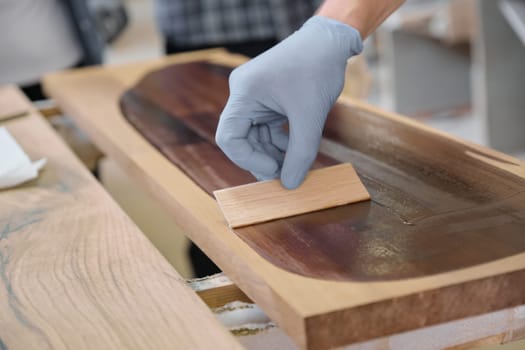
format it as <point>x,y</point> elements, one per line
<point>75,272</point>
<point>217,290</point>
<point>315,313</point>
<point>268,200</point>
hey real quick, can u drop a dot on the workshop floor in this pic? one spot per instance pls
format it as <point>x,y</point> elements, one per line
<point>141,41</point>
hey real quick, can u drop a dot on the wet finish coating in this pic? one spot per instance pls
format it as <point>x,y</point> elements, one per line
<point>436,205</point>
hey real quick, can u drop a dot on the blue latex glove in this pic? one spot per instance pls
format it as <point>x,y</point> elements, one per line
<point>296,81</point>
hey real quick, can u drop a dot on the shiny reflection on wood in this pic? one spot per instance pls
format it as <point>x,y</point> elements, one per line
<point>436,206</point>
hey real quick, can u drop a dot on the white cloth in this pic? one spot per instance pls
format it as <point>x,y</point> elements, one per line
<point>15,166</point>
<point>36,37</point>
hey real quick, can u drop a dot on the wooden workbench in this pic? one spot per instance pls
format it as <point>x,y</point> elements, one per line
<point>316,313</point>
<point>75,272</point>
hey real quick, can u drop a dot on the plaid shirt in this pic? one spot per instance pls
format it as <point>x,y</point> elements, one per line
<point>210,22</point>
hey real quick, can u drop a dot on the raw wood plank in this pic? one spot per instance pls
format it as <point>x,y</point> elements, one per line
<point>217,290</point>
<point>266,201</point>
<point>75,272</point>
<point>321,313</point>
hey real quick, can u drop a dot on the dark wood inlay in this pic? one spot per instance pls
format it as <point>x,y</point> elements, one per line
<point>434,208</point>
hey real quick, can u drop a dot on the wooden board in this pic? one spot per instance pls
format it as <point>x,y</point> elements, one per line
<point>75,272</point>
<point>418,190</point>
<point>264,201</point>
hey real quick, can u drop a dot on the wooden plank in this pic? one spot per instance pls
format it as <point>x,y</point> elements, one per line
<point>267,200</point>
<point>319,312</point>
<point>217,290</point>
<point>10,111</point>
<point>75,272</point>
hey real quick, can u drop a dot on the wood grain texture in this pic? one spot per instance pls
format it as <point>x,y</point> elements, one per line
<point>318,312</point>
<point>267,200</point>
<point>76,273</point>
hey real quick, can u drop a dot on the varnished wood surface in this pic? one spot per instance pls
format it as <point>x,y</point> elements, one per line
<point>265,201</point>
<point>316,312</point>
<point>75,272</point>
<point>434,208</point>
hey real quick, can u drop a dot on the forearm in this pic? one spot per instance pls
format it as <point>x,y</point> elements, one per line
<point>364,15</point>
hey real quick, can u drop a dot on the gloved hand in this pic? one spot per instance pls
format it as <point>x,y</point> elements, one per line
<point>297,81</point>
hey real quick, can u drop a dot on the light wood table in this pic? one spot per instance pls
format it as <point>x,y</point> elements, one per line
<point>75,272</point>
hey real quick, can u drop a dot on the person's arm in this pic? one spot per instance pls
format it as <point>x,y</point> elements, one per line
<point>295,82</point>
<point>364,15</point>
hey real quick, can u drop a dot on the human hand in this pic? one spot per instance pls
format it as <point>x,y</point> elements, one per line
<point>296,81</point>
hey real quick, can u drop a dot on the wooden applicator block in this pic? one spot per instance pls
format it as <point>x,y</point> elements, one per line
<point>268,200</point>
